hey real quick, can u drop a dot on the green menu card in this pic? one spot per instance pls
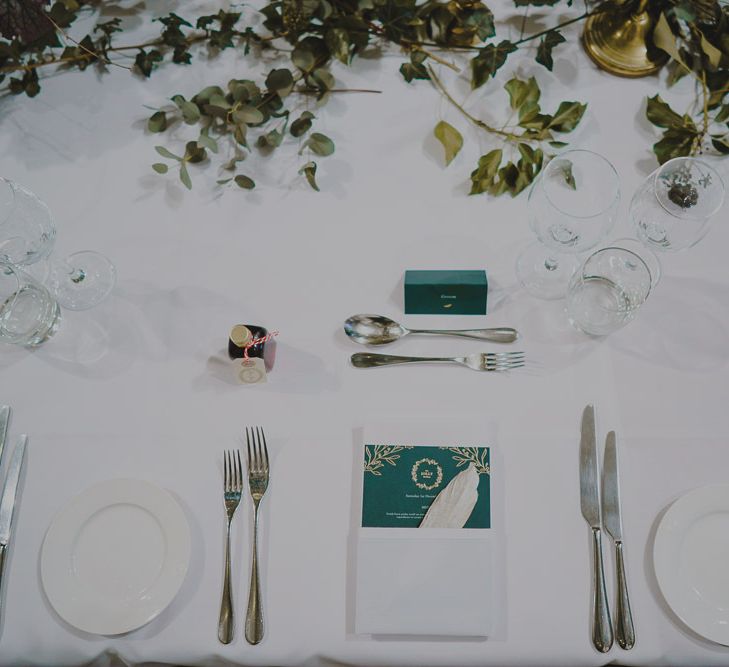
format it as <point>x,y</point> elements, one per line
<point>401,482</point>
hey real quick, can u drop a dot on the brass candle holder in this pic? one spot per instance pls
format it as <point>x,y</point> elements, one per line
<point>617,40</point>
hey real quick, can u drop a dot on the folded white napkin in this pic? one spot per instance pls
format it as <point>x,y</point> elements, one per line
<point>435,582</point>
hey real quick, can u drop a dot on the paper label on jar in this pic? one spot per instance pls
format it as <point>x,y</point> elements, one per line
<point>250,371</point>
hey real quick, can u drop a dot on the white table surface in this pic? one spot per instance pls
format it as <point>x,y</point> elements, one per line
<point>128,389</point>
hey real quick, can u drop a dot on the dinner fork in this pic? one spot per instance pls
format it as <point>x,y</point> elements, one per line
<point>232,488</point>
<point>257,483</point>
<point>484,361</point>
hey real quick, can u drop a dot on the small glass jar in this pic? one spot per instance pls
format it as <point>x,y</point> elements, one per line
<point>256,340</point>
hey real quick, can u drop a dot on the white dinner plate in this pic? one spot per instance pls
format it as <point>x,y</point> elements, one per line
<point>115,556</point>
<point>691,558</point>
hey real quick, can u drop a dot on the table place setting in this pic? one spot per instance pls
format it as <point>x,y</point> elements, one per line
<point>531,190</point>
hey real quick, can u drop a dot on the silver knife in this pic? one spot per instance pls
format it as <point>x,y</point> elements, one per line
<point>7,502</point>
<point>624,630</point>
<point>602,631</point>
<point>4,420</point>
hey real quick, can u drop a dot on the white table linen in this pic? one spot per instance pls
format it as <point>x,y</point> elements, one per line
<point>129,389</point>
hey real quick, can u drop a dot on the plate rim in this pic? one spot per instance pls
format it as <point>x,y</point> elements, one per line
<point>660,561</point>
<point>180,561</point>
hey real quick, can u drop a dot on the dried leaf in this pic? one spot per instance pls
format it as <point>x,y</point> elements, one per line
<point>450,138</point>
<point>454,504</point>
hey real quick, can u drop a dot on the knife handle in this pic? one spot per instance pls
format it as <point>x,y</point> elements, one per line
<point>602,630</point>
<point>624,631</point>
<point>3,549</point>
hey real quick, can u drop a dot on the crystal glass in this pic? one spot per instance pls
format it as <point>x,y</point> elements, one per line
<point>26,227</point>
<point>673,208</point>
<point>607,291</point>
<point>572,206</point>
<point>29,315</point>
<point>27,236</point>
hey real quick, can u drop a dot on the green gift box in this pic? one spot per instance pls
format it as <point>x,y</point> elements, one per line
<point>445,292</point>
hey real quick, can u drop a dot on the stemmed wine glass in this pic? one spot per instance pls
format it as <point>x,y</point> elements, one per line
<point>673,208</point>
<point>27,237</point>
<point>572,206</point>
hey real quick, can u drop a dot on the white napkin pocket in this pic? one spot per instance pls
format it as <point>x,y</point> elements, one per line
<point>434,582</point>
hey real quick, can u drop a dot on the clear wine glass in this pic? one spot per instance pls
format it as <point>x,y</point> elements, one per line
<point>673,208</point>
<point>572,206</point>
<point>27,237</point>
<point>27,233</point>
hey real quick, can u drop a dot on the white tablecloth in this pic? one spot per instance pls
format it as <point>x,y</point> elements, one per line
<point>129,389</point>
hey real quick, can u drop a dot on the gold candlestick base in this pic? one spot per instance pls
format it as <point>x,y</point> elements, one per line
<point>617,42</point>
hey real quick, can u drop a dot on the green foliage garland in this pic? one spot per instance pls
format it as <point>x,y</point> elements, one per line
<point>261,114</point>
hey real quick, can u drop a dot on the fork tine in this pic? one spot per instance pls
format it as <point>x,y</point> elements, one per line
<point>226,475</point>
<point>248,448</point>
<point>239,473</point>
<point>265,451</point>
<point>257,449</point>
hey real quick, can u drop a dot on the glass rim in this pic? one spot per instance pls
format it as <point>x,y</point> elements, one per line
<point>630,252</point>
<point>615,199</point>
<point>13,186</point>
<point>654,180</point>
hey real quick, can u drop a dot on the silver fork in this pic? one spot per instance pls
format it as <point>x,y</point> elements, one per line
<point>257,483</point>
<point>232,487</point>
<point>480,361</point>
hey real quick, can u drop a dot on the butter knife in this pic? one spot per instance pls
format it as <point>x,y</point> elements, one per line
<point>602,632</point>
<point>7,504</point>
<point>624,630</point>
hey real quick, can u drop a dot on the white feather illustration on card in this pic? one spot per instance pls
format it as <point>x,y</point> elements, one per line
<point>454,504</point>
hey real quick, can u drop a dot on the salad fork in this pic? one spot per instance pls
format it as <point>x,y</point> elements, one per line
<point>257,484</point>
<point>232,487</point>
<point>483,361</point>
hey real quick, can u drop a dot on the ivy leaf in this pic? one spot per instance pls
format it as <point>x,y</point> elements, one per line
<point>523,93</point>
<point>157,122</point>
<point>450,138</point>
<point>535,3</point>
<point>319,144</point>
<point>145,62</point>
<point>721,144</point>
<point>303,58</point>
<point>544,50</point>
<point>309,171</point>
<point>24,19</point>
<point>483,177</point>
<point>676,142</point>
<point>567,117</point>
<point>194,153</point>
<point>244,182</point>
<point>664,39</point>
<point>185,176</point>
<point>160,167</point>
<point>415,69</point>
<point>302,124</point>
<point>660,114</point>
<point>337,40</point>
<point>482,20</point>
<point>488,61</point>
<point>723,114</point>
<point>165,153</point>
<point>712,53</point>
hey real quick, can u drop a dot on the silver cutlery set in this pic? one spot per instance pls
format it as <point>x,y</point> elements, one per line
<point>608,515</point>
<point>258,476</point>
<point>10,487</point>
<point>380,330</point>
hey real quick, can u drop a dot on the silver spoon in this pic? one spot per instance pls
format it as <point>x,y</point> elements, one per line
<point>483,361</point>
<point>379,330</point>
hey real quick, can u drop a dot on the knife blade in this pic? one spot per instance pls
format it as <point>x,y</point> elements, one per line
<point>4,421</point>
<point>602,631</point>
<point>7,505</point>
<point>612,517</point>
